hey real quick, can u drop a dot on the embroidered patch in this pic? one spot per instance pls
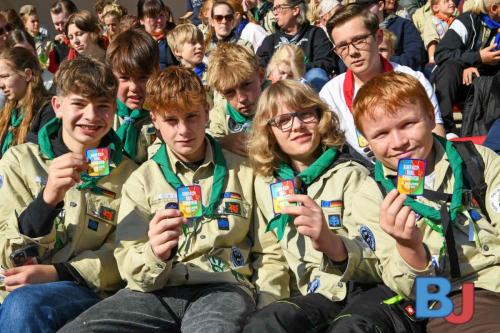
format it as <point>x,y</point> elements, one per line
<point>495,200</point>
<point>172,205</point>
<point>334,221</point>
<point>313,285</point>
<point>367,236</point>
<point>107,214</point>
<point>331,203</point>
<point>237,257</point>
<point>216,264</point>
<point>223,224</point>
<point>474,214</point>
<point>231,195</point>
<point>233,208</point>
<point>410,310</point>
<point>1,181</point>
<point>93,225</point>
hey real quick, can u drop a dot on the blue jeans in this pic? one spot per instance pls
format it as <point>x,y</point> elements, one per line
<point>44,307</point>
<point>317,78</point>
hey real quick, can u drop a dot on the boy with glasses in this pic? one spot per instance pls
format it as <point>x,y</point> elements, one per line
<point>356,35</point>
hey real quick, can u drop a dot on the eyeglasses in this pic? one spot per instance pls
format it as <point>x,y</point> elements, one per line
<point>358,43</point>
<point>279,8</point>
<point>6,29</point>
<point>284,122</point>
<point>219,18</point>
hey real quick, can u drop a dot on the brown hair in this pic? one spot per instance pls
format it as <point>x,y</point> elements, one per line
<point>134,53</point>
<point>224,59</point>
<point>100,4</point>
<point>34,99</point>
<point>175,90</point>
<point>211,30</point>
<point>85,76</point>
<point>151,8</point>
<point>347,13</point>
<point>63,5</point>
<point>264,151</point>
<point>389,92</point>
<point>87,22</point>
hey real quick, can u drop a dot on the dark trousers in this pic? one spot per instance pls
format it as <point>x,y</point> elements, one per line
<point>309,313</point>
<point>365,312</point>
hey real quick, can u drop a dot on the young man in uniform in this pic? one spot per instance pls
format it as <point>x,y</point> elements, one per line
<point>133,56</point>
<point>356,36</point>
<point>58,210</point>
<point>450,231</point>
<point>234,73</point>
<point>190,252</point>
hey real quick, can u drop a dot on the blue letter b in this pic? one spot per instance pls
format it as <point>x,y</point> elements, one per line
<point>424,297</point>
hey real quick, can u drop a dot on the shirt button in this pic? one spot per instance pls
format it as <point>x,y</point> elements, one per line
<point>486,247</point>
<point>202,236</point>
<point>72,204</point>
<point>340,284</point>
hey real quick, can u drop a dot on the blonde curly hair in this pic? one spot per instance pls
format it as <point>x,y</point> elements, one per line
<point>264,152</point>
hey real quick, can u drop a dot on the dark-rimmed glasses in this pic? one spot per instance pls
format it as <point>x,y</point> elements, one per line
<point>6,29</point>
<point>284,122</point>
<point>358,43</point>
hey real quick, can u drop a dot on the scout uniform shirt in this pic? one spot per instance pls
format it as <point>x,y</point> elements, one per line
<point>224,119</point>
<point>225,248</point>
<point>134,126</point>
<point>77,236</point>
<point>334,192</point>
<point>477,240</point>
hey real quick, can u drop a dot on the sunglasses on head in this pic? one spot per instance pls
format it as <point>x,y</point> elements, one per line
<point>219,18</point>
<point>6,29</point>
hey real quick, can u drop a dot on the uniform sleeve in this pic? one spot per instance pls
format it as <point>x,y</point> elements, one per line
<point>429,33</point>
<point>492,179</point>
<point>322,56</point>
<point>217,119</point>
<point>411,47</point>
<point>137,263</point>
<point>270,277</point>
<point>16,196</point>
<point>98,267</point>
<point>453,45</point>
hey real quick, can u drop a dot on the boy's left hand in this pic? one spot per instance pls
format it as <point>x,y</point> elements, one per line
<point>31,274</point>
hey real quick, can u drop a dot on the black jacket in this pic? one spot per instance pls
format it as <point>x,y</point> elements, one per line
<point>318,49</point>
<point>462,42</point>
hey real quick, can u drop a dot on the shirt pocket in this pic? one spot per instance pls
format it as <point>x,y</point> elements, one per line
<point>163,201</point>
<point>100,222</point>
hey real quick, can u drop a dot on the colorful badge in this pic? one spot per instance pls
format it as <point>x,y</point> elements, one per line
<point>233,208</point>
<point>98,162</point>
<point>334,221</point>
<point>107,214</point>
<point>362,142</point>
<point>367,236</point>
<point>332,203</point>
<point>280,192</point>
<point>411,175</point>
<point>223,224</point>
<point>189,199</point>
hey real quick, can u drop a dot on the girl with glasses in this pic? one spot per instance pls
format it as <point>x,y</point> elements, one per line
<point>305,181</point>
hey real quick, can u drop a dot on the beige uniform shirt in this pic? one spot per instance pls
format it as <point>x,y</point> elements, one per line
<point>85,225</point>
<point>478,255</point>
<point>334,192</point>
<point>230,248</point>
<point>146,136</point>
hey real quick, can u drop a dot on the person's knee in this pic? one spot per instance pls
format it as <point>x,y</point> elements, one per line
<point>278,317</point>
<point>24,302</point>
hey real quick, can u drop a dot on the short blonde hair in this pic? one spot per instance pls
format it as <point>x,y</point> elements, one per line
<point>184,33</point>
<point>264,151</point>
<point>390,37</point>
<point>229,65</point>
<point>175,90</point>
<point>390,92</point>
<point>290,55</point>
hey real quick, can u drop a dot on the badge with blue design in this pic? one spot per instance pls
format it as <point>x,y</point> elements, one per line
<point>334,221</point>
<point>367,236</point>
<point>93,225</point>
<point>223,224</point>
<point>1,181</point>
<point>313,285</point>
<point>237,257</point>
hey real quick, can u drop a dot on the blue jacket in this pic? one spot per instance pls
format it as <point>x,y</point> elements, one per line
<point>410,50</point>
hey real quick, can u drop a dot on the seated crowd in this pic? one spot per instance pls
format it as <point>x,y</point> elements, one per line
<point>257,166</point>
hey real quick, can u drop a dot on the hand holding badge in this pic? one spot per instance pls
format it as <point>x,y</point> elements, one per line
<point>98,162</point>
<point>189,199</point>
<point>411,176</point>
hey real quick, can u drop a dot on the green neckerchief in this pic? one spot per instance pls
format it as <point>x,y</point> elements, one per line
<point>220,172</point>
<point>240,119</point>
<point>127,132</point>
<point>308,176</point>
<point>431,214</point>
<point>15,120</point>
<point>52,127</point>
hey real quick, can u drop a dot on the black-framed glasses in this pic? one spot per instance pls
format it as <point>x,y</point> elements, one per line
<point>6,29</point>
<point>358,43</point>
<point>284,122</point>
<point>279,8</point>
<point>219,18</point>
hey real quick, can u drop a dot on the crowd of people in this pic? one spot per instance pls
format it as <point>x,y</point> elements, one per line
<point>252,166</point>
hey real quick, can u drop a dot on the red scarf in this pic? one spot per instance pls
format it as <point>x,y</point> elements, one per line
<point>444,18</point>
<point>158,35</point>
<point>349,82</point>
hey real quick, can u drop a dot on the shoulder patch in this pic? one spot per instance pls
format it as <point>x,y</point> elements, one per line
<point>334,221</point>
<point>237,257</point>
<point>367,236</point>
<point>495,200</point>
